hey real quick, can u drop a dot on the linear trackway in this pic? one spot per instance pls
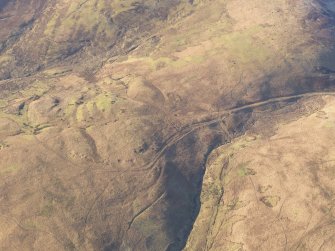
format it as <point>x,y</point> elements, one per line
<point>175,138</point>
<point>219,116</point>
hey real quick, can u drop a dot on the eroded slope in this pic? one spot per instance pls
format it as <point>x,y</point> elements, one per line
<point>272,191</point>
<point>109,110</point>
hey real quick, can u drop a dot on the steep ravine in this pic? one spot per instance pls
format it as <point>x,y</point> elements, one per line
<point>259,186</point>
<point>111,111</point>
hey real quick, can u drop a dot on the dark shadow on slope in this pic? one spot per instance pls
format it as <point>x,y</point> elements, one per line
<point>3,4</point>
<point>185,169</point>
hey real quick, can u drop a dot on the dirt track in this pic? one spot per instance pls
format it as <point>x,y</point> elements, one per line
<point>175,138</point>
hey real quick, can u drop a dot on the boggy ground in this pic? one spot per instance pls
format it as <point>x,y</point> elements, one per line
<point>107,122</point>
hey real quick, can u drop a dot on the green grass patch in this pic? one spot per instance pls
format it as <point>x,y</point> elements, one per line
<point>329,124</point>
<point>29,224</point>
<point>51,25</point>
<point>12,169</point>
<point>80,114</point>
<point>244,46</point>
<point>3,103</point>
<point>243,170</point>
<point>5,59</point>
<point>37,89</point>
<point>21,120</point>
<point>47,210</point>
<point>104,102</point>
